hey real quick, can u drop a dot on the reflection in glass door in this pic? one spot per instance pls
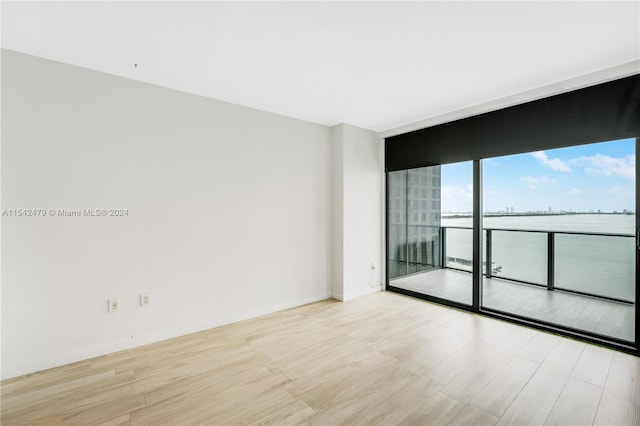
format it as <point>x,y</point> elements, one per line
<point>559,236</point>
<point>425,256</point>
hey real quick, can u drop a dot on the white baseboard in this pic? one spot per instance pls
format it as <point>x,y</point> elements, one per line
<point>60,359</point>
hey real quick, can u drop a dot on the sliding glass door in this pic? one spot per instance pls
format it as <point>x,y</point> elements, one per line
<point>559,229</point>
<point>549,234</point>
<point>414,221</point>
<point>556,239</point>
<point>429,238</point>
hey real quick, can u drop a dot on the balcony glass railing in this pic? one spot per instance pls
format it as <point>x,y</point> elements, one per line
<point>458,247</point>
<point>594,264</point>
<point>601,265</point>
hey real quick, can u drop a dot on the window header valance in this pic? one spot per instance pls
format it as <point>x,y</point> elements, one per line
<point>598,113</point>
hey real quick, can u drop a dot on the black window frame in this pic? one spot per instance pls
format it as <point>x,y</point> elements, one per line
<point>603,112</point>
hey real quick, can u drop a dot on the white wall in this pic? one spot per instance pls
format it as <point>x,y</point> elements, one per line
<point>229,213</point>
<point>337,152</point>
<point>358,194</point>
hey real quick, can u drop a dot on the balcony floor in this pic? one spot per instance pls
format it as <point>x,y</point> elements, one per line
<point>568,309</point>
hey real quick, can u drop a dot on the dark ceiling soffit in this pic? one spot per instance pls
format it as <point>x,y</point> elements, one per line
<point>599,113</point>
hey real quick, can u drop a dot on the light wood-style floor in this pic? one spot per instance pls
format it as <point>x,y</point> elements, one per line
<point>380,359</point>
<point>601,316</point>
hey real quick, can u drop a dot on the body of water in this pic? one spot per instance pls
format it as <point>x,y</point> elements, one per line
<point>597,223</point>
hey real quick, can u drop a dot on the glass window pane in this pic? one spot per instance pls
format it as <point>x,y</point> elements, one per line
<point>417,241</point>
<point>563,271</point>
<point>397,243</point>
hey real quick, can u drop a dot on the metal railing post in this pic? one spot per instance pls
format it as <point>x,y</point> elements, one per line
<point>488,255</point>
<point>443,247</point>
<point>550,260</point>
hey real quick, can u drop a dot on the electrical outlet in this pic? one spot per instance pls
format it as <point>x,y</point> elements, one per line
<point>144,299</point>
<point>114,305</point>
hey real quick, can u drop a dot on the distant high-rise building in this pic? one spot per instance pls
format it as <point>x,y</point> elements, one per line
<point>415,197</point>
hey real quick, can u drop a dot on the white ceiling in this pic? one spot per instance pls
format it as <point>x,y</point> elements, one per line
<point>377,65</point>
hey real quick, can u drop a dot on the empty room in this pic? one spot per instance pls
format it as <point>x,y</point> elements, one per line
<point>320,213</point>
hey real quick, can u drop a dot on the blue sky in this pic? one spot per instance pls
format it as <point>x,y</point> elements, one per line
<point>588,177</point>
